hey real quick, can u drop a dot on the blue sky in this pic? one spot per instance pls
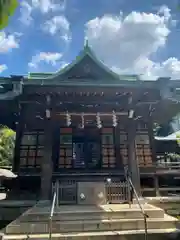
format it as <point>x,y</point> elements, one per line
<point>134,36</point>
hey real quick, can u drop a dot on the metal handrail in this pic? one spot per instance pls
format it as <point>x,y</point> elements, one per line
<point>52,212</point>
<point>145,216</point>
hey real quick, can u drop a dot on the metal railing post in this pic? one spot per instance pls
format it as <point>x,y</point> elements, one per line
<point>129,194</point>
<point>57,197</point>
<point>52,212</point>
<point>131,186</point>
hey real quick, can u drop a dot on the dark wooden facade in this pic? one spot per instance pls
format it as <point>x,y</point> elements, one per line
<point>85,122</point>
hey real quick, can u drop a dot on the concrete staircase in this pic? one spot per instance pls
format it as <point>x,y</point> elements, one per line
<point>86,222</point>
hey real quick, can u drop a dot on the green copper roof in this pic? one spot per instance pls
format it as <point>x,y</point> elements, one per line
<point>132,77</point>
<point>40,75</point>
<point>87,51</point>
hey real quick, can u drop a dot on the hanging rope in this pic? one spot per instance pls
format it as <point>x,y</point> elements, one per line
<point>82,120</point>
<point>68,119</point>
<point>98,120</point>
<point>114,119</point>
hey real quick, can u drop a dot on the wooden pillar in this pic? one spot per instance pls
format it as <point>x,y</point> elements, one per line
<point>119,162</point>
<point>151,138</point>
<point>19,133</point>
<point>153,151</point>
<point>46,167</point>
<point>55,145</point>
<point>156,185</point>
<point>132,160</point>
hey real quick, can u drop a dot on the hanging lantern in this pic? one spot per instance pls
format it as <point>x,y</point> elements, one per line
<point>98,120</point>
<point>48,113</point>
<point>82,120</point>
<point>131,113</point>
<point>114,119</point>
<point>68,119</point>
<point>48,99</point>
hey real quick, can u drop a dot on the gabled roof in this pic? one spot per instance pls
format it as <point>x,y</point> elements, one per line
<point>81,59</point>
<point>87,51</point>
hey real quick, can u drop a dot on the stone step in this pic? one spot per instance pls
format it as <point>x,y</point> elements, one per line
<point>153,234</point>
<point>92,225</point>
<point>91,213</point>
<point>91,216</point>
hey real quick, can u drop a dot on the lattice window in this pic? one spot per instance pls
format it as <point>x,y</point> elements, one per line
<point>108,152</point>
<point>66,150</point>
<point>124,147</point>
<point>31,149</point>
<point>143,150</point>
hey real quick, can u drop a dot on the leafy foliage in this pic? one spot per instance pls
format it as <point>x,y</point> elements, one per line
<point>164,130</point>
<point>7,9</point>
<point>156,128</point>
<point>7,144</point>
<point>178,139</point>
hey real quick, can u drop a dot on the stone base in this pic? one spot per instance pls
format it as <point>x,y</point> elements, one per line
<point>141,201</point>
<point>97,236</point>
<point>91,193</point>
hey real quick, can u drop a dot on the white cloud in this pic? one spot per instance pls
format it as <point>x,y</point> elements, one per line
<point>49,5</point>
<point>28,7</point>
<point>169,67</point>
<point>25,13</point>
<point>45,57</point>
<point>58,25</point>
<point>165,12</point>
<point>18,34</point>
<point>3,67</point>
<point>8,42</point>
<point>126,43</point>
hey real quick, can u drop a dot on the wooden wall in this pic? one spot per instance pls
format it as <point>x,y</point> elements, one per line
<point>31,148</point>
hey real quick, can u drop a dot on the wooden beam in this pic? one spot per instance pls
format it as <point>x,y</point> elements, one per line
<point>131,133</point>
<point>101,114</point>
<point>67,97</point>
<point>156,185</point>
<point>138,97</point>
<point>19,133</point>
<point>132,160</point>
<point>151,135</point>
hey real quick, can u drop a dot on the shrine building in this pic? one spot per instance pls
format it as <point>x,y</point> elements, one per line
<point>84,123</point>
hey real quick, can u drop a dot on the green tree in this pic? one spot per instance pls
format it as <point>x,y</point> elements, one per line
<point>7,143</point>
<point>163,130</point>
<point>7,9</point>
